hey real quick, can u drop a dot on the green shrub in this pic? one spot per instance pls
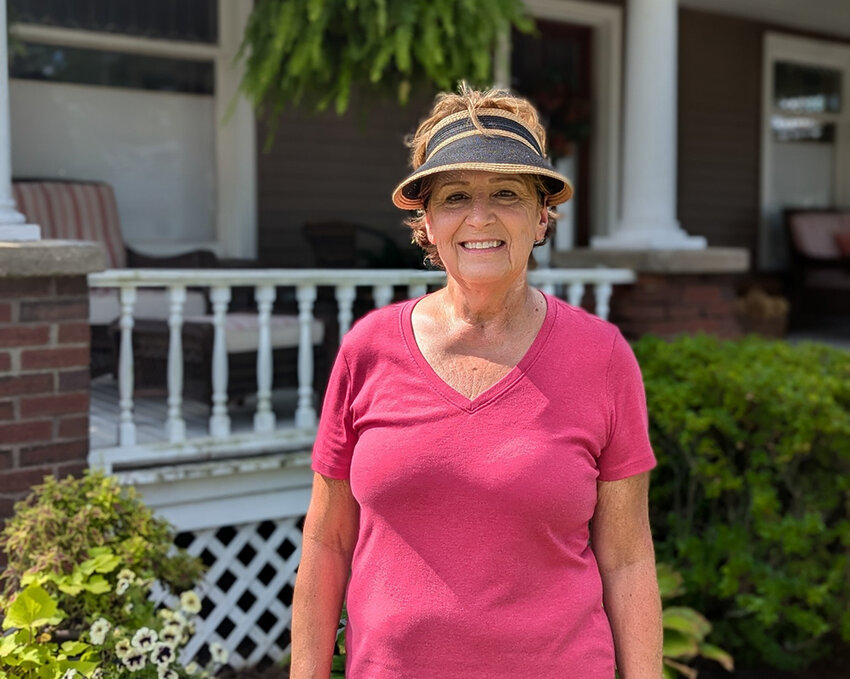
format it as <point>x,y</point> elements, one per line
<point>63,524</point>
<point>751,498</point>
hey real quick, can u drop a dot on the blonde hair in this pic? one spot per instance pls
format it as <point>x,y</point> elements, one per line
<point>468,99</point>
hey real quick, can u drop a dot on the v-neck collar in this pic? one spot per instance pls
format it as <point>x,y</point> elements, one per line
<point>495,391</point>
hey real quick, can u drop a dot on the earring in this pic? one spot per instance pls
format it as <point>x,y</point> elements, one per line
<point>540,242</point>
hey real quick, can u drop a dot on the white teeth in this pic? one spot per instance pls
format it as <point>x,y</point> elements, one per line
<point>482,244</point>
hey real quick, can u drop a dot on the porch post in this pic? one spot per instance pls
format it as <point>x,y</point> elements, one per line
<point>648,217</point>
<point>13,226</point>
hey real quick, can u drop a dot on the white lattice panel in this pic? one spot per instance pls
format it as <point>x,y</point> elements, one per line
<point>247,590</point>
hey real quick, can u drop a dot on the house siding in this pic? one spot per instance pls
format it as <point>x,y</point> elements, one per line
<point>719,127</point>
<point>327,167</point>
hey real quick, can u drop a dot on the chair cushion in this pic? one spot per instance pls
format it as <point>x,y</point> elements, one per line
<point>241,331</point>
<point>814,233</point>
<point>842,240</point>
<point>74,210</point>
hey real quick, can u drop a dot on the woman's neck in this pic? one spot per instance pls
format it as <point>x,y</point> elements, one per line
<point>486,307</point>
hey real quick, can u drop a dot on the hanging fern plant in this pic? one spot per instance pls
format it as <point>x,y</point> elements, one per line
<point>314,52</point>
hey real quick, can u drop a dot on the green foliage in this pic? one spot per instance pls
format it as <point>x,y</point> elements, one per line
<point>751,499</point>
<point>316,51</point>
<point>685,631</point>
<point>60,524</point>
<point>83,555</point>
<point>26,652</point>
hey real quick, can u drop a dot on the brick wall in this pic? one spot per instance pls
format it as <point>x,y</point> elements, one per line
<point>667,305</point>
<point>44,381</point>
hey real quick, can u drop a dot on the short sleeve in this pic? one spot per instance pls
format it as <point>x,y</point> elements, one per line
<point>628,450</point>
<point>335,438</point>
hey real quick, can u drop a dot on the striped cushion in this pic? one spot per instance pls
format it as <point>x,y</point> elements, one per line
<point>74,211</point>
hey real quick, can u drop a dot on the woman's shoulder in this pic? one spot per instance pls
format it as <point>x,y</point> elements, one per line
<point>376,329</point>
<point>581,324</point>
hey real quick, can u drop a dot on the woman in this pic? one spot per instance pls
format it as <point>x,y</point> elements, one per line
<point>474,441</point>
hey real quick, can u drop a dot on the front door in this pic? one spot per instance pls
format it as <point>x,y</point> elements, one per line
<point>552,68</point>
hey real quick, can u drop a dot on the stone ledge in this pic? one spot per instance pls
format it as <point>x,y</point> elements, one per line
<point>707,261</point>
<point>50,258</point>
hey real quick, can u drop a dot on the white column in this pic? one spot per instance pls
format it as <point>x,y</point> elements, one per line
<point>13,226</point>
<point>648,217</point>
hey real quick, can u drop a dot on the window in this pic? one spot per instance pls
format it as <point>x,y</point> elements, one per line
<point>185,20</point>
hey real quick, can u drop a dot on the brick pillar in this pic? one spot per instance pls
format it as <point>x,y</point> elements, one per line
<point>44,362</point>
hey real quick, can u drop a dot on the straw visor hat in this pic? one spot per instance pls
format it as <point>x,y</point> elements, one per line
<point>505,146</point>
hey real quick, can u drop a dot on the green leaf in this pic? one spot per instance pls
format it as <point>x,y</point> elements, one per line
<point>104,562</point>
<point>687,621</point>
<point>718,655</point>
<point>7,645</point>
<point>74,647</point>
<point>678,645</point>
<point>97,585</point>
<point>669,581</point>
<point>32,608</point>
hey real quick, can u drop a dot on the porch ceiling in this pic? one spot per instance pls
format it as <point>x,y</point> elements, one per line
<point>823,16</point>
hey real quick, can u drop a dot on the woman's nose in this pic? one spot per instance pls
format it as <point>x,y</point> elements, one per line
<point>480,211</point>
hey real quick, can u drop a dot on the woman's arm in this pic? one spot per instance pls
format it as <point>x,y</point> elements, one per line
<point>622,543</point>
<point>330,532</point>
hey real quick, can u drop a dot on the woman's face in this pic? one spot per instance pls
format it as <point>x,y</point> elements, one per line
<point>484,224</point>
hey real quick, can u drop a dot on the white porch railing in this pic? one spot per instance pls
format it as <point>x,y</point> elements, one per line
<point>268,433</point>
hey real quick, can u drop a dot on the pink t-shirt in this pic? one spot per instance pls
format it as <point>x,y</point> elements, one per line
<point>472,558</point>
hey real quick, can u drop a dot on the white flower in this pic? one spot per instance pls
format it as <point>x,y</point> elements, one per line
<point>122,648</point>
<point>97,673</point>
<point>126,574</point>
<point>134,660</point>
<point>122,586</point>
<point>190,602</point>
<point>98,631</point>
<point>177,616</point>
<point>128,608</point>
<point>162,655</point>
<point>144,639</point>
<point>166,614</point>
<point>164,673</point>
<point>170,636</point>
<point>70,673</point>
<point>218,653</point>
<point>192,668</point>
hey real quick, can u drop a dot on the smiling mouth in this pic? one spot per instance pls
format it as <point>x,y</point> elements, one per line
<point>482,244</point>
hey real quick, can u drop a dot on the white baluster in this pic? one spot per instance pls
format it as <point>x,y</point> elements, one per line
<point>548,288</point>
<point>264,419</point>
<point>415,290</point>
<point>126,426</point>
<point>176,425</point>
<point>603,297</point>
<point>219,420</point>
<point>575,293</point>
<point>345,295</point>
<point>383,295</point>
<point>305,414</point>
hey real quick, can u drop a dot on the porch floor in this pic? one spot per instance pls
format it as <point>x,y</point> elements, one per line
<point>151,412</point>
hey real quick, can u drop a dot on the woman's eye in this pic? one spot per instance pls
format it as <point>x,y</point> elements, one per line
<point>455,197</point>
<point>506,193</point>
